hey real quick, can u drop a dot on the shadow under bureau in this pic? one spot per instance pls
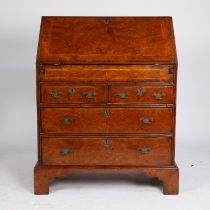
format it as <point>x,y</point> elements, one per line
<point>106,98</point>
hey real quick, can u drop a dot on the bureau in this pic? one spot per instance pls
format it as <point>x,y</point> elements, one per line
<point>106,98</point>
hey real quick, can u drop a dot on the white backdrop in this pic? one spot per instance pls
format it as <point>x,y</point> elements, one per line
<point>19,28</point>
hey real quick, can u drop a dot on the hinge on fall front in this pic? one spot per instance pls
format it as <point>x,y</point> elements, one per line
<point>157,64</point>
<point>56,64</point>
<point>171,68</point>
<point>41,69</point>
<point>171,71</point>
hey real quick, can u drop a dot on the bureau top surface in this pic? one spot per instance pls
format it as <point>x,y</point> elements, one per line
<point>106,40</point>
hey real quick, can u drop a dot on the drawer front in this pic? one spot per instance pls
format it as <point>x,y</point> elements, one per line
<point>112,120</point>
<point>140,120</point>
<point>117,73</point>
<point>106,151</point>
<point>141,94</point>
<point>72,94</point>
<point>72,120</point>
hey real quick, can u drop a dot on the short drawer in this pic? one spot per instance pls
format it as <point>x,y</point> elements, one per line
<point>106,151</point>
<point>73,120</point>
<point>115,73</point>
<point>110,120</point>
<point>140,120</point>
<point>72,94</point>
<point>141,94</point>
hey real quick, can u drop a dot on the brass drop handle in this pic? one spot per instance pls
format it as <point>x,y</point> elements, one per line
<point>107,112</point>
<point>65,151</point>
<point>89,94</point>
<point>122,95</point>
<point>55,94</point>
<point>143,150</point>
<point>159,96</point>
<point>146,120</point>
<point>66,121</point>
<point>72,91</point>
<point>140,91</point>
<point>106,142</point>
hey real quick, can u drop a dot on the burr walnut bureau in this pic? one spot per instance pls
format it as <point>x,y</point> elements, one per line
<point>106,98</point>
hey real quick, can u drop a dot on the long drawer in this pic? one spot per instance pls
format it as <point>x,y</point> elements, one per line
<point>106,150</point>
<point>110,120</point>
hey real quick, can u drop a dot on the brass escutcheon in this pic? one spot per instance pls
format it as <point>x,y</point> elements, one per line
<point>107,112</point>
<point>106,142</point>
<point>107,20</point>
<point>72,91</point>
<point>140,91</point>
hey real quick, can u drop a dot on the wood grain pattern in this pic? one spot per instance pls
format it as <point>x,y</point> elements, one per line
<point>43,175</point>
<point>85,120</point>
<point>124,40</point>
<point>118,151</point>
<point>72,94</point>
<point>129,120</point>
<point>121,120</point>
<point>102,73</point>
<point>132,94</point>
<point>117,129</point>
<point>141,94</point>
